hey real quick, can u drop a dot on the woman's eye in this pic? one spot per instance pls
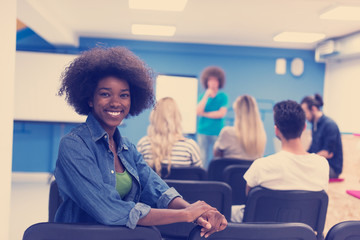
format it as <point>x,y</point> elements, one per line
<point>104,94</point>
<point>125,95</point>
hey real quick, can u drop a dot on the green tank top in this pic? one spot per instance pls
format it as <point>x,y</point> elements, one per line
<point>123,183</point>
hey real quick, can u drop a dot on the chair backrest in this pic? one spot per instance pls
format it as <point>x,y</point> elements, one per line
<point>65,231</point>
<point>54,200</point>
<point>265,205</point>
<point>217,194</point>
<point>259,231</point>
<point>217,166</point>
<point>233,175</point>
<point>347,230</point>
<point>184,173</point>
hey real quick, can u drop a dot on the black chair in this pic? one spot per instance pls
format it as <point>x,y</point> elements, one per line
<point>233,175</point>
<point>217,194</point>
<point>347,230</point>
<point>265,205</point>
<point>217,166</point>
<point>259,231</point>
<point>184,173</point>
<point>54,200</point>
<point>65,231</point>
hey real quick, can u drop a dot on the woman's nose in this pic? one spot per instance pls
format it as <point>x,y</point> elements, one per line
<point>115,102</point>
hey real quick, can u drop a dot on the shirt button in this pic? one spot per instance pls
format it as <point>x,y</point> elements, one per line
<point>112,171</point>
<point>105,136</point>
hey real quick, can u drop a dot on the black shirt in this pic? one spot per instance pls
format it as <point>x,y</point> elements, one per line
<point>326,136</point>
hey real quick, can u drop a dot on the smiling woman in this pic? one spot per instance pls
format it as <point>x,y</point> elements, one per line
<point>111,103</point>
<point>102,178</point>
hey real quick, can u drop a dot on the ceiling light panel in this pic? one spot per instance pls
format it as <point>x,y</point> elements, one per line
<point>158,5</point>
<point>346,13</point>
<point>153,30</point>
<point>298,37</point>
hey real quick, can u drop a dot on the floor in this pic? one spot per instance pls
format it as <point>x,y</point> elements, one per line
<point>343,207</point>
<point>29,198</point>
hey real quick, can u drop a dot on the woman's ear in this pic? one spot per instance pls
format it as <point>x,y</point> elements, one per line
<point>91,104</point>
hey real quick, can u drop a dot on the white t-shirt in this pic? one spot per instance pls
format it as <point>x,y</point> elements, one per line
<point>287,171</point>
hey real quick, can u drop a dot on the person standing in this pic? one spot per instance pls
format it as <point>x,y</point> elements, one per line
<point>326,137</point>
<point>211,109</point>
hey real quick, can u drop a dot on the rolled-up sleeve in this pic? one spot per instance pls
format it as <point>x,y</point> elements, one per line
<point>167,197</point>
<point>139,211</point>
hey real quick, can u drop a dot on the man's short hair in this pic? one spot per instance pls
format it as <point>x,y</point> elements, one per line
<point>289,118</point>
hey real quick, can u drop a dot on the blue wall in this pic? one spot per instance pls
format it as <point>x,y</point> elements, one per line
<point>249,70</point>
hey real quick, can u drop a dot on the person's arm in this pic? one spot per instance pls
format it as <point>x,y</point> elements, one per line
<point>211,220</point>
<point>181,211</point>
<point>330,135</point>
<point>218,153</point>
<point>221,144</point>
<point>216,114</point>
<point>194,151</point>
<point>200,109</point>
<point>325,154</point>
<point>247,189</point>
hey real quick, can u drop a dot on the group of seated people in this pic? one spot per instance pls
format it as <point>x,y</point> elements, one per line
<point>166,145</point>
<point>103,178</point>
<point>293,168</point>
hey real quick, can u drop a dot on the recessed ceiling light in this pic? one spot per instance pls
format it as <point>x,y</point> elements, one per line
<point>342,13</point>
<point>299,37</point>
<point>155,30</point>
<point>158,5</point>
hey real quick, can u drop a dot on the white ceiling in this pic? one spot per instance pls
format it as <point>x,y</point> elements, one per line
<point>229,22</point>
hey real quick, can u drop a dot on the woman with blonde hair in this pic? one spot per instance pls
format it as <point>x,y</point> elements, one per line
<point>165,143</point>
<point>247,138</point>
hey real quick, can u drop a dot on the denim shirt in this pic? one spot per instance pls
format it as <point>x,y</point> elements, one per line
<point>85,174</point>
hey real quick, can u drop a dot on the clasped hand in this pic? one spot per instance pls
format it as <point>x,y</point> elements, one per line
<point>209,218</point>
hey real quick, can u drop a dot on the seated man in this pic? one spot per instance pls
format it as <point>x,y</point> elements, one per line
<point>293,168</point>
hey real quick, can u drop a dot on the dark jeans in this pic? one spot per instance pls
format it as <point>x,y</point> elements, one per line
<point>333,174</point>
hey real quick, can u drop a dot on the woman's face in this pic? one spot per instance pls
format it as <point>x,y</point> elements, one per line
<point>111,102</point>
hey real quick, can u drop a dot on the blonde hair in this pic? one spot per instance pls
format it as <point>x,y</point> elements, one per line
<point>248,126</point>
<point>164,131</point>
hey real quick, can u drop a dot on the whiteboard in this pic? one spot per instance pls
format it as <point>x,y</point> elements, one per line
<point>184,91</point>
<point>37,80</point>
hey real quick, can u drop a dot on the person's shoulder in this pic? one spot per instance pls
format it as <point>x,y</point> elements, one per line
<point>330,123</point>
<point>222,94</point>
<point>190,141</point>
<point>329,120</point>
<point>318,158</point>
<point>228,130</point>
<point>270,159</point>
<point>79,132</point>
<point>143,140</point>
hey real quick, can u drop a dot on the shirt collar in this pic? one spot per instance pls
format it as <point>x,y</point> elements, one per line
<point>97,132</point>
